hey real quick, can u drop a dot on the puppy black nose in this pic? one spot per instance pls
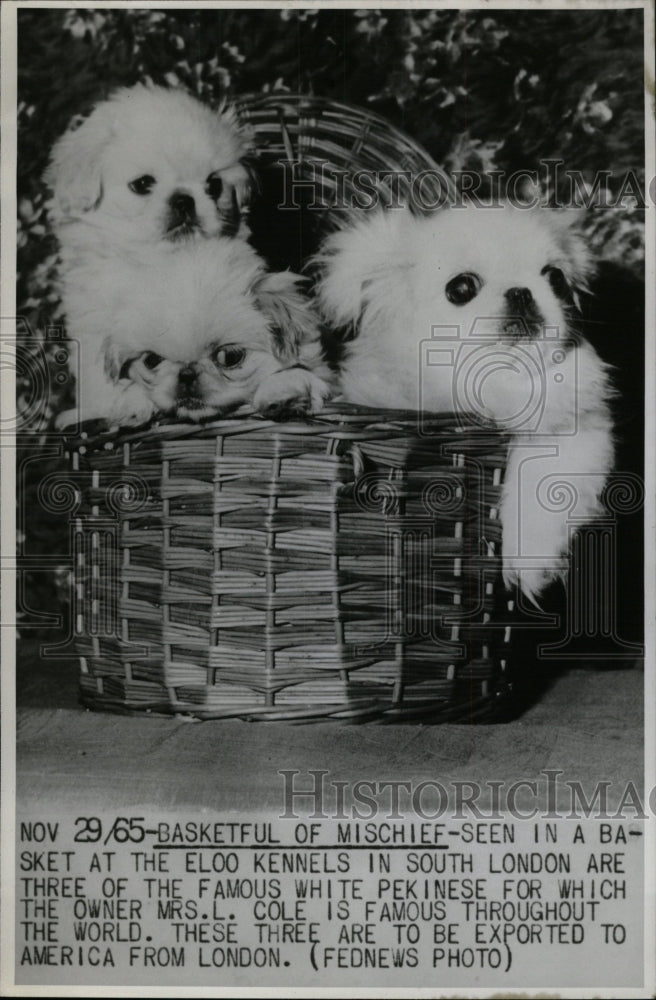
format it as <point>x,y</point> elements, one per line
<point>183,206</point>
<point>187,375</point>
<point>520,299</point>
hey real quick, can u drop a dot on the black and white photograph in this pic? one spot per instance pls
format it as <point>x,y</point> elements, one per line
<point>328,501</point>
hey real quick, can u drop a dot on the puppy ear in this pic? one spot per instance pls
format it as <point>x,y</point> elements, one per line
<point>115,362</point>
<point>290,315</point>
<point>235,202</point>
<point>75,169</point>
<point>247,184</point>
<point>355,266</point>
<point>241,176</point>
<point>576,260</point>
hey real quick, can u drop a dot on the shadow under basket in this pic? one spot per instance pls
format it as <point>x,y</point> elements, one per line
<point>345,567</point>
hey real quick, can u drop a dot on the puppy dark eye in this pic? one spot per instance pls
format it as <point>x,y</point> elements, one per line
<point>151,360</point>
<point>463,288</point>
<point>214,186</point>
<point>229,357</point>
<point>142,185</point>
<point>125,368</point>
<point>557,280</point>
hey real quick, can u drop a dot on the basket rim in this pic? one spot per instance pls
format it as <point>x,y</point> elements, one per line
<point>352,418</point>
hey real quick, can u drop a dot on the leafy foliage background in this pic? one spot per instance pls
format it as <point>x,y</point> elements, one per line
<point>484,90</point>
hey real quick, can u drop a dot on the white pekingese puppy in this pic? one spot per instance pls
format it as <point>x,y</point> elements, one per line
<point>147,165</point>
<point>472,310</point>
<point>195,335</point>
<point>174,313</point>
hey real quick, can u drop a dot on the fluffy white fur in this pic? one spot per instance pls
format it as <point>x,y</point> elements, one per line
<point>193,334</point>
<point>146,132</point>
<point>148,192</point>
<point>386,278</point>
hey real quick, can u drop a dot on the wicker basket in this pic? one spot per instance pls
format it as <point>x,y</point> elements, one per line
<point>314,132</point>
<point>344,567</point>
<point>310,153</point>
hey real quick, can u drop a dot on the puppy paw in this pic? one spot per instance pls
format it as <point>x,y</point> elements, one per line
<point>293,392</point>
<point>68,418</point>
<point>535,542</point>
<point>552,485</point>
<point>131,407</point>
<point>532,581</point>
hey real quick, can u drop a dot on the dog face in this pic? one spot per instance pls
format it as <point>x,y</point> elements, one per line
<point>209,327</point>
<point>214,380</point>
<point>474,278</point>
<point>505,272</point>
<point>508,274</point>
<point>152,165</point>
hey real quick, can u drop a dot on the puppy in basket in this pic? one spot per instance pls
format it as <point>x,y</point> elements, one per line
<point>174,313</point>
<point>473,310</point>
<point>195,334</point>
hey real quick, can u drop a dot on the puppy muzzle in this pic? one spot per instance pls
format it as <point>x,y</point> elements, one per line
<point>182,218</point>
<point>188,396</point>
<point>523,320</point>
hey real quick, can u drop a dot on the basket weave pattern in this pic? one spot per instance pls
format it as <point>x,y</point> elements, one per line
<point>344,568</point>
